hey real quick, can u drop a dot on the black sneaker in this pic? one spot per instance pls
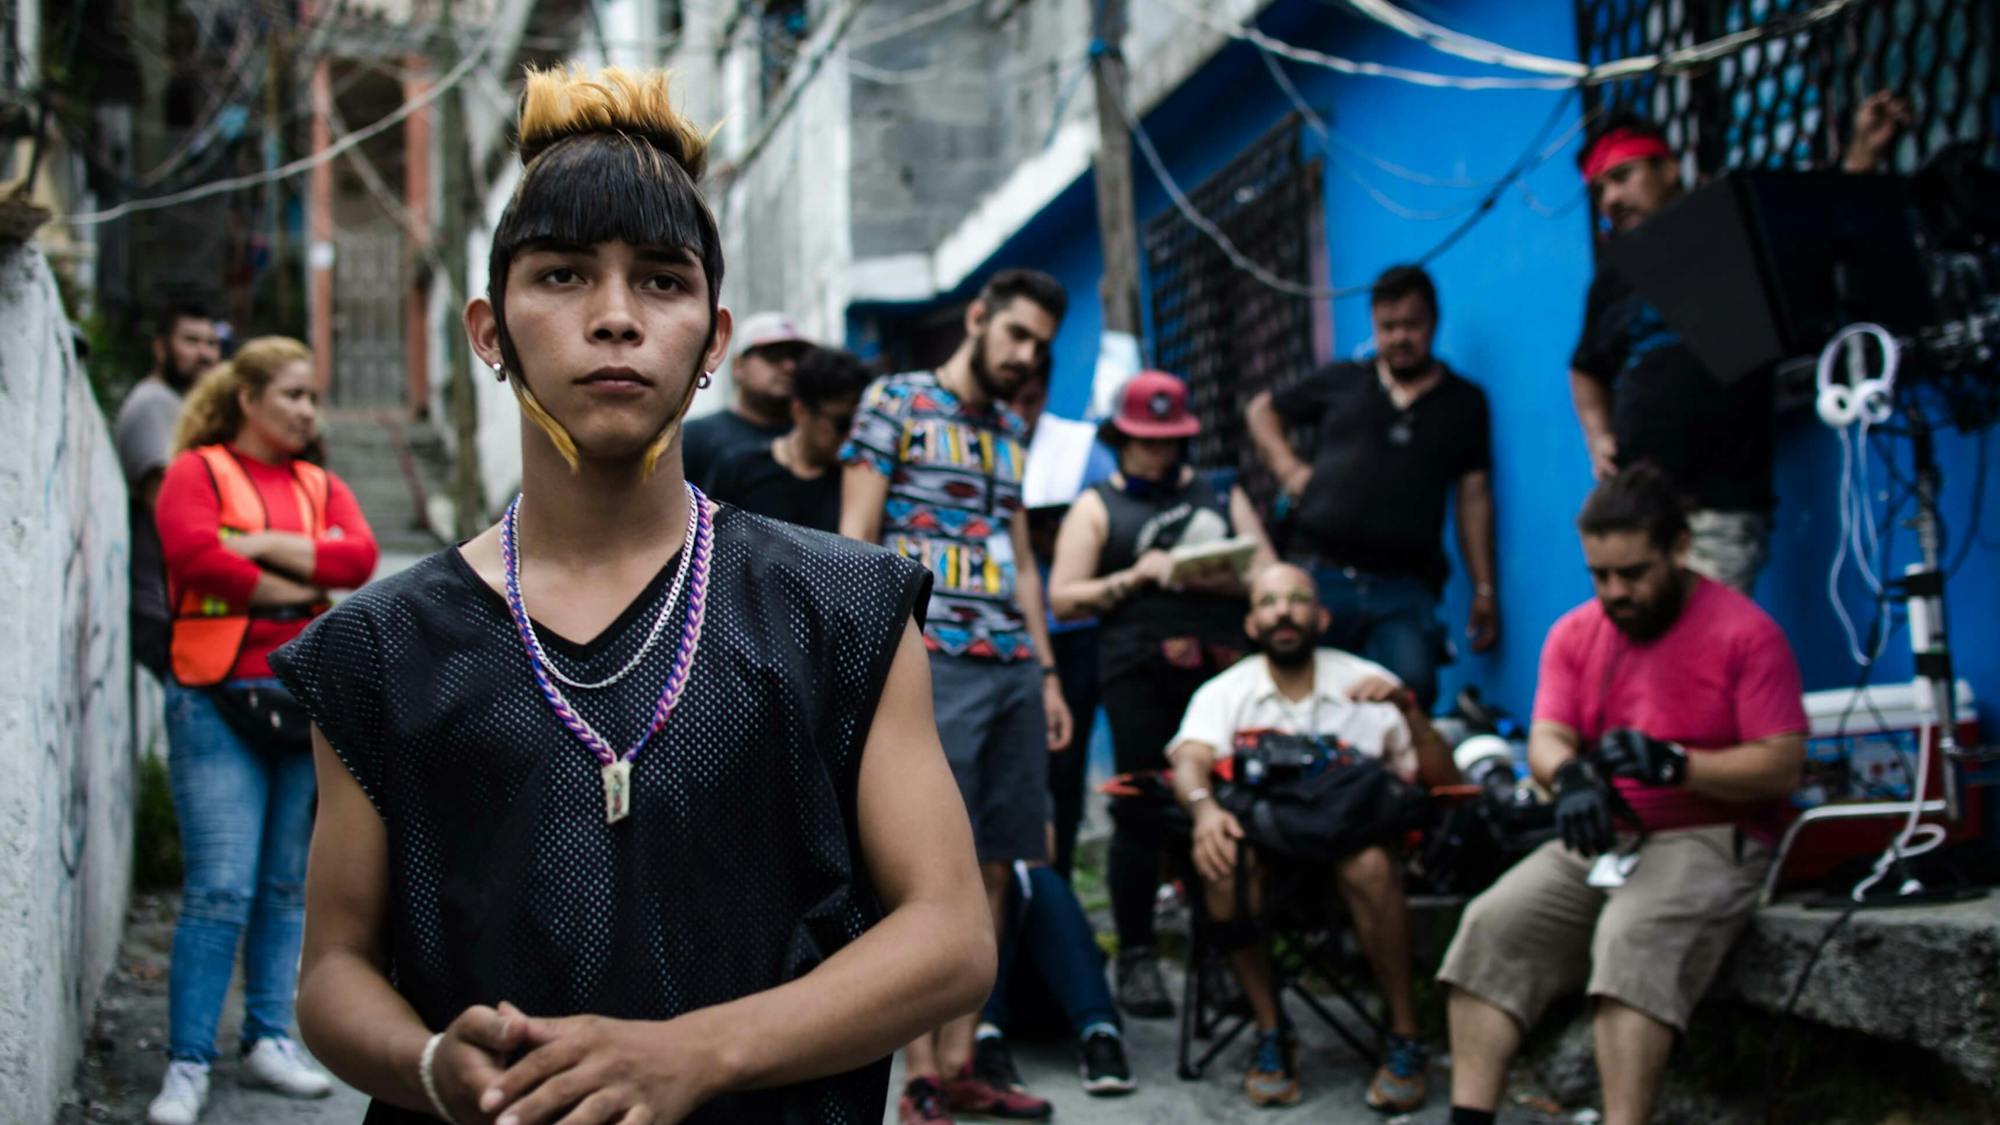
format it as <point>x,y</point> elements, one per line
<point>1101,1059</point>
<point>993,1061</point>
<point>1141,990</point>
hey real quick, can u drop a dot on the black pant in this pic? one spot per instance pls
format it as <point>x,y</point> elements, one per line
<point>1076,669</point>
<point>150,645</point>
<point>1144,706</point>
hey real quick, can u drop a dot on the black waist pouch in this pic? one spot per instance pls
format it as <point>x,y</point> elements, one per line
<point>264,715</point>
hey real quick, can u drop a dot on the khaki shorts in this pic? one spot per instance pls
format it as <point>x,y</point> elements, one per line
<point>1653,944</point>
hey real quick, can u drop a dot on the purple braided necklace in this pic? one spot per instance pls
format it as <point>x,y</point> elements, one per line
<point>617,769</point>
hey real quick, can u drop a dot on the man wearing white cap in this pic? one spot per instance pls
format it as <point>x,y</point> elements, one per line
<point>760,409</point>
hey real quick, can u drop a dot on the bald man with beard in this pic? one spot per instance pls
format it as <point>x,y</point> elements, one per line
<point>1344,705</point>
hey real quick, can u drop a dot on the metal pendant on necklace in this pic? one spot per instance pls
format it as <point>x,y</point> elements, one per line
<point>617,791</point>
<point>1403,430</point>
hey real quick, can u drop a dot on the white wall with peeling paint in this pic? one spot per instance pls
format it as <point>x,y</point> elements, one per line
<point>66,755</point>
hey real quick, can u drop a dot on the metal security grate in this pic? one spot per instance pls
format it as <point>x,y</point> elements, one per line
<point>1788,102</point>
<point>1227,335</point>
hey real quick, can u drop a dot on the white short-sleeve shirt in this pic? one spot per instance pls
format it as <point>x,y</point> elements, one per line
<point>1243,699</point>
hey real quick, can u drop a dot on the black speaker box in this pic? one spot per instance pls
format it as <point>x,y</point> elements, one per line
<point>1756,267</point>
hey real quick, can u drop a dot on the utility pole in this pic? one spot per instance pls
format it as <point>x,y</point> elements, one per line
<point>468,500</point>
<point>1117,225</point>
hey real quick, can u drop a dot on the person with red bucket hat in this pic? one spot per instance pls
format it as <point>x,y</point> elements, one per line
<point>1164,630</point>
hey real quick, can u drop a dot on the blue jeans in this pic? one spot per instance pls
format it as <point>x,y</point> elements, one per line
<point>1390,619</point>
<point>1048,932</point>
<point>246,821</point>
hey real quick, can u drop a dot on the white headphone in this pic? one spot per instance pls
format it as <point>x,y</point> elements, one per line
<point>1868,401</point>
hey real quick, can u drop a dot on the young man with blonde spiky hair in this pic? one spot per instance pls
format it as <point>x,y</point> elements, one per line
<point>611,823</point>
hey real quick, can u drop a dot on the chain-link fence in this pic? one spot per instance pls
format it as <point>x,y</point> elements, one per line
<point>1788,102</point>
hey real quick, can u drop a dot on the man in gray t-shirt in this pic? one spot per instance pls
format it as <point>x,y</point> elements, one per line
<point>184,346</point>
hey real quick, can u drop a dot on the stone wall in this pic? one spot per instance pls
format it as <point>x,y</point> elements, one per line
<point>66,733</point>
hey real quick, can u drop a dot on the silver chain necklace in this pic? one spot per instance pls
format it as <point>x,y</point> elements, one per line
<point>659,619</point>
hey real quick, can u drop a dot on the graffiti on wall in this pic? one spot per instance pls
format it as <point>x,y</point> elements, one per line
<point>66,775</point>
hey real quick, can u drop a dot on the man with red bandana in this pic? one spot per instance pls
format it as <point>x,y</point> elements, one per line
<point>1641,395</point>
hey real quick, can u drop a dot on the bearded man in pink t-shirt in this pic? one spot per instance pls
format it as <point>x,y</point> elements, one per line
<point>1669,724</point>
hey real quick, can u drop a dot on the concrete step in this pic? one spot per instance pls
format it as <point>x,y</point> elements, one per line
<point>377,457</point>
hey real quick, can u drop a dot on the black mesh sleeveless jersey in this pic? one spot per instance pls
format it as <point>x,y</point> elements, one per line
<point>739,868</point>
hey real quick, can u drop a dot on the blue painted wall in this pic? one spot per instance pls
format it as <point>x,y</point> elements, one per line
<point>1512,292</point>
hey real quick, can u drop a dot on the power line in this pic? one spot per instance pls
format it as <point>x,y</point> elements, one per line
<point>241,52</point>
<point>1319,127</point>
<point>458,74</point>
<point>1389,203</point>
<point>1574,74</point>
<point>304,164</point>
<point>1464,46</point>
<point>1248,32</point>
<point>1533,156</point>
<point>914,22</point>
<point>794,90</point>
<point>957,73</point>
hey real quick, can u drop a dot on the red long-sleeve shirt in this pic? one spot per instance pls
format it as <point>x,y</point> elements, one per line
<point>189,515</point>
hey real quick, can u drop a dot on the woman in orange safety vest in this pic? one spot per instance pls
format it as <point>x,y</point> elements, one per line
<point>253,537</point>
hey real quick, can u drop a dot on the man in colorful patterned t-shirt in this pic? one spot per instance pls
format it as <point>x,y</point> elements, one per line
<point>933,472</point>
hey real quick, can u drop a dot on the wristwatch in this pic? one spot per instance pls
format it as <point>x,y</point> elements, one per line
<point>1049,670</point>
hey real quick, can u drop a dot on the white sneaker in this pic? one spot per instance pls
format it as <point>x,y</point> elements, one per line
<point>278,1064</point>
<point>182,1094</point>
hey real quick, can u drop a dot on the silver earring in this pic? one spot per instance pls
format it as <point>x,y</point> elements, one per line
<point>707,377</point>
<point>499,371</point>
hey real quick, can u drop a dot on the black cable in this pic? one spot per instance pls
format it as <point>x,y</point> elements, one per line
<point>1971,534</point>
<point>1522,167</point>
<point>1788,1016</point>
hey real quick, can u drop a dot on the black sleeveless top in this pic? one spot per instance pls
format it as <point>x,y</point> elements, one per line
<point>739,868</point>
<point>1131,636</point>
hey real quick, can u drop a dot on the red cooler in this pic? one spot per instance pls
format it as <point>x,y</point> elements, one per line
<point>1862,749</point>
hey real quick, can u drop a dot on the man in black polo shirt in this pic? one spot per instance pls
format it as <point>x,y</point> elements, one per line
<point>795,477</point>
<point>1394,437</point>
<point>1641,395</point>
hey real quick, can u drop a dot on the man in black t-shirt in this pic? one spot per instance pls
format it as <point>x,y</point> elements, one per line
<point>1640,393</point>
<point>1394,437</point>
<point>796,476</point>
<point>760,409</point>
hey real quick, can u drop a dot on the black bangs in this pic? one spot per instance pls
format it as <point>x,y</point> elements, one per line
<point>607,187</point>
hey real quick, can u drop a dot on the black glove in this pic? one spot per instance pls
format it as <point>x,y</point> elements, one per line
<point>1583,808</point>
<point>1626,752</point>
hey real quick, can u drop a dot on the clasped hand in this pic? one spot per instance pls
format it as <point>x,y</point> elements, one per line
<point>578,1070</point>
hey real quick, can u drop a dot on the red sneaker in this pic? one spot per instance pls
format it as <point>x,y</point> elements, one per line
<point>970,1094</point>
<point>922,1103</point>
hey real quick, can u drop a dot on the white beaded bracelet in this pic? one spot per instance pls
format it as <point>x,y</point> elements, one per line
<point>1197,796</point>
<point>430,1081</point>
